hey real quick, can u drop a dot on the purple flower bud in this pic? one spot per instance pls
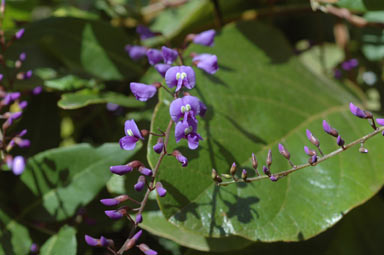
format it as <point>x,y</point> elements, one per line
<point>140,183</point>
<point>34,248</point>
<point>180,76</point>
<point>23,56</point>
<point>104,241</point>
<point>137,235</point>
<point>142,92</point>
<point>328,129</point>
<point>154,56</point>
<point>139,218</point>
<point>254,161</point>
<point>313,159</point>
<point>145,171</point>
<point>19,34</point>
<point>147,251</point>
<point>266,171</point>
<point>340,141</point>
<point>144,32</point>
<point>162,68</point>
<point>37,90</point>
<point>23,143</point>
<point>110,201</point>
<point>160,189</point>
<point>114,214</point>
<point>206,62</point>
<point>358,112</point>
<point>169,55</point>
<point>22,133</point>
<point>284,152</point>
<point>91,241</point>
<point>312,139</point>
<point>273,178</point>
<point>380,122</point>
<point>244,174</point>
<point>136,52</point>
<point>309,152</point>
<point>353,62</point>
<point>180,157</point>
<point>269,158</point>
<point>158,147</point>
<point>121,170</point>
<point>205,38</point>
<point>14,95</point>
<point>232,170</point>
<point>18,165</point>
<point>27,75</point>
<point>23,104</point>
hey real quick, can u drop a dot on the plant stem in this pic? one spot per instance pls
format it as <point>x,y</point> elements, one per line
<point>151,185</point>
<point>294,169</point>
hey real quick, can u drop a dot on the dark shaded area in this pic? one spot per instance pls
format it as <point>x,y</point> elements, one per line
<point>244,131</point>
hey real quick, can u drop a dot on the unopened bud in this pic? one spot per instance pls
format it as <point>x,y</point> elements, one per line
<point>254,161</point>
<point>244,175</point>
<point>312,160</point>
<point>340,141</point>
<point>273,178</point>
<point>131,243</point>
<point>309,152</point>
<point>312,139</point>
<point>232,171</point>
<point>269,159</point>
<point>284,152</point>
<point>266,171</point>
<point>215,176</point>
<point>329,130</point>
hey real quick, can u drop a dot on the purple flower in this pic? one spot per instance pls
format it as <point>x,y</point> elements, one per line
<point>37,90</point>
<point>34,248</point>
<point>266,171</point>
<point>187,129</point>
<point>145,171</point>
<point>23,56</point>
<point>121,169</point>
<point>91,241</point>
<point>104,241</point>
<point>136,52</point>
<point>169,55</point>
<point>309,152</point>
<point>273,178</point>
<point>350,64</point>
<point>144,32</point>
<point>139,218</point>
<point>284,152</point>
<point>206,62</point>
<point>188,106</point>
<point>160,189</point>
<point>162,68</point>
<point>205,38</point>
<point>142,92</point>
<point>110,201</point>
<point>180,157</point>
<point>133,135</point>
<point>147,251</point>
<point>328,129</point>
<point>358,112</point>
<point>23,104</point>
<point>380,122</point>
<point>23,143</point>
<point>140,183</point>
<point>154,56</point>
<point>18,165</point>
<point>19,34</point>
<point>27,75</point>
<point>158,147</point>
<point>312,139</point>
<point>340,141</point>
<point>180,76</point>
<point>114,214</point>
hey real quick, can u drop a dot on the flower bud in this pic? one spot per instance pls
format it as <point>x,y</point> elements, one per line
<point>121,170</point>
<point>266,171</point>
<point>358,112</point>
<point>139,218</point>
<point>244,175</point>
<point>146,250</point>
<point>180,157</point>
<point>312,139</point>
<point>380,122</point>
<point>160,189</point>
<point>232,170</point>
<point>328,129</point>
<point>340,141</point>
<point>91,241</point>
<point>140,183</point>
<point>254,161</point>
<point>158,147</point>
<point>145,171</point>
<point>312,160</point>
<point>309,152</point>
<point>269,158</point>
<point>215,176</point>
<point>116,214</point>
<point>273,178</point>
<point>133,240</point>
<point>284,152</point>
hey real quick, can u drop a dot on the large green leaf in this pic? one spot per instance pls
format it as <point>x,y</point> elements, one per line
<point>360,232</point>
<point>59,181</point>
<point>361,5</point>
<point>14,237</point>
<point>263,95</point>
<point>86,46</point>
<point>63,243</point>
<point>372,37</point>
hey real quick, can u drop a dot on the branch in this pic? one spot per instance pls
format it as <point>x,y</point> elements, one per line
<point>296,168</point>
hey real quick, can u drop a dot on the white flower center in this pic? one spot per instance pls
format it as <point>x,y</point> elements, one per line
<point>181,75</point>
<point>185,108</point>
<point>129,132</point>
<point>188,130</point>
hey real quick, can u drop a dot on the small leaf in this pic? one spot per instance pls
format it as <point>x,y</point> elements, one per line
<point>63,243</point>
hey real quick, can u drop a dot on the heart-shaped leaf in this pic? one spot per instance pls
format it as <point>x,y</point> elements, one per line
<point>63,243</point>
<point>261,96</point>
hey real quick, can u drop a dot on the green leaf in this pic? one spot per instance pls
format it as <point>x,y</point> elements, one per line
<point>85,46</point>
<point>373,38</point>
<point>155,223</point>
<point>358,233</point>
<point>14,237</point>
<point>63,243</point>
<point>361,5</point>
<point>261,96</point>
<point>70,82</point>
<point>61,180</point>
<point>87,97</point>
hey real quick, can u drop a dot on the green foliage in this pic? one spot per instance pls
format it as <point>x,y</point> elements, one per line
<point>261,96</point>
<point>373,38</point>
<point>63,243</point>
<point>361,5</point>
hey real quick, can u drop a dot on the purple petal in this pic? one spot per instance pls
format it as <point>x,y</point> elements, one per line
<point>19,33</point>
<point>37,90</point>
<point>139,218</point>
<point>91,241</point>
<point>23,56</point>
<point>144,32</point>
<point>193,141</point>
<point>145,171</point>
<point>170,76</point>
<point>158,147</point>
<point>23,104</point>
<point>154,56</point>
<point>162,68</point>
<point>142,91</point>
<point>18,165</point>
<point>137,235</point>
<point>206,62</point>
<point>175,109</point>
<point>182,159</point>
<point>191,80</point>
<point>120,170</point>
<point>380,121</point>
<point>160,189</point>
<point>147,251</point>
<point>113,214</point>
<point>103,241</point>
<point>205,38</point>
<point>357,111</point>
<point>136,52</point>
<point>169,55</point>
<point>131,125</point>
<point>180,127</point>
<point>140,183</point>
<point>110,201</point>
<point>328,129</point>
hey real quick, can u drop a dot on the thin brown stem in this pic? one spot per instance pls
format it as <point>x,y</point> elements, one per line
<point>151,185</point>
<point>294,169</point>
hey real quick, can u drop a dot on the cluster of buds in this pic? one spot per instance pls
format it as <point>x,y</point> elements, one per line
<point>183,110</point>
<point>315,155</point>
